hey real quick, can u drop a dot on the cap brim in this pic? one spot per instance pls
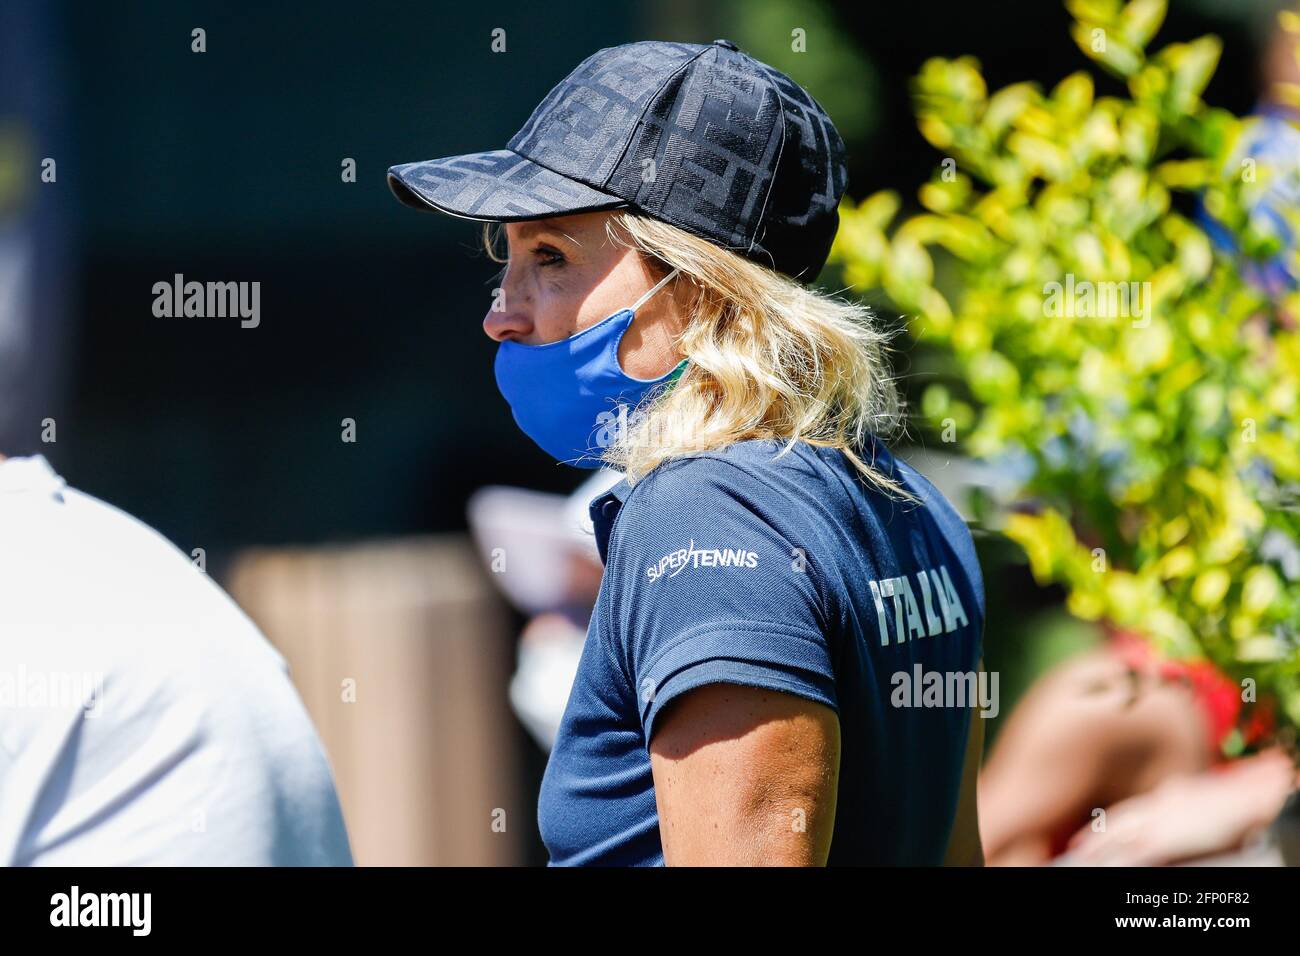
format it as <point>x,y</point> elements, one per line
<point>496,186</point>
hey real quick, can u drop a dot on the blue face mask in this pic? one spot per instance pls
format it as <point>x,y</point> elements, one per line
<point>572,397</point>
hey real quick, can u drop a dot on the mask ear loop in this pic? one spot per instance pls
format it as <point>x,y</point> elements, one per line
<point>676,373</point>
<point>653,289</point>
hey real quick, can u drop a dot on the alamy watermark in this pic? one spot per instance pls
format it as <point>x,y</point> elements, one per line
<point>23,689</point>
<point>129,910</point>
<point>1098,300</point>
<point>946,689</point>
<point>209,300</point>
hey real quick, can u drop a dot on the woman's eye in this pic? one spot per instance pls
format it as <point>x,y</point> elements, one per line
<point>547,256</point>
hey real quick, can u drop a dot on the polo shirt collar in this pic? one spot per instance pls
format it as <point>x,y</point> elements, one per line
<point>604,509</point>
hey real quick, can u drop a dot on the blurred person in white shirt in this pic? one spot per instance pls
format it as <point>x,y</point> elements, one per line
<point>144,719</point>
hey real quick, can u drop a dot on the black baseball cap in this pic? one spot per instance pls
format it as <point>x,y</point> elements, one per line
<point>705,138</point>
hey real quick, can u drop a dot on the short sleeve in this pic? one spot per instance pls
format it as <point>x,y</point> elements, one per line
<point>709,581</point>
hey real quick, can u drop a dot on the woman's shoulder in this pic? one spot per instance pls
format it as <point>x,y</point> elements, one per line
<point>764,473</point>
<point>773,477</point>
<point>723,468</point>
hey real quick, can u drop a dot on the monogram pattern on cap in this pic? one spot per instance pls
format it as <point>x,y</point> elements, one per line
<point>702,137</point>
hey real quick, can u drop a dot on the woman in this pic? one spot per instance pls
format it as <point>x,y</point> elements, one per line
<point>774,671</point>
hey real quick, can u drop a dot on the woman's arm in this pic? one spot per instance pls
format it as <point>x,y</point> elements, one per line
<point>1190,816</point>
<point>746,777</point>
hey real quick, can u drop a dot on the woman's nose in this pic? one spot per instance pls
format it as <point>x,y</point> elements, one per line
<point>502,325</point>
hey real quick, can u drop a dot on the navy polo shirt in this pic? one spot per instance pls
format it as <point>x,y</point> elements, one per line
<point>783,572</point>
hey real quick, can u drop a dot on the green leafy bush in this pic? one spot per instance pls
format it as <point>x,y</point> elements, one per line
<point>1088,337</point>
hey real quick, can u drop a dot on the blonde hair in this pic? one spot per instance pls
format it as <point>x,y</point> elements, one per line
<point>768,359</point>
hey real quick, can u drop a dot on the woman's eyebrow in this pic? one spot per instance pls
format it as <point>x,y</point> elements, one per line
<point>546,226</point>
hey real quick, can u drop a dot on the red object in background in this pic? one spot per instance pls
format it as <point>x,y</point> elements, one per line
<point>1217,696</point>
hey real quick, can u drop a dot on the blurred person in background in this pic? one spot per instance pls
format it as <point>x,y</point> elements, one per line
<point>771,571</point>
<point>1121,730</point>
<point>144,720</point>
<point>542,551</point>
